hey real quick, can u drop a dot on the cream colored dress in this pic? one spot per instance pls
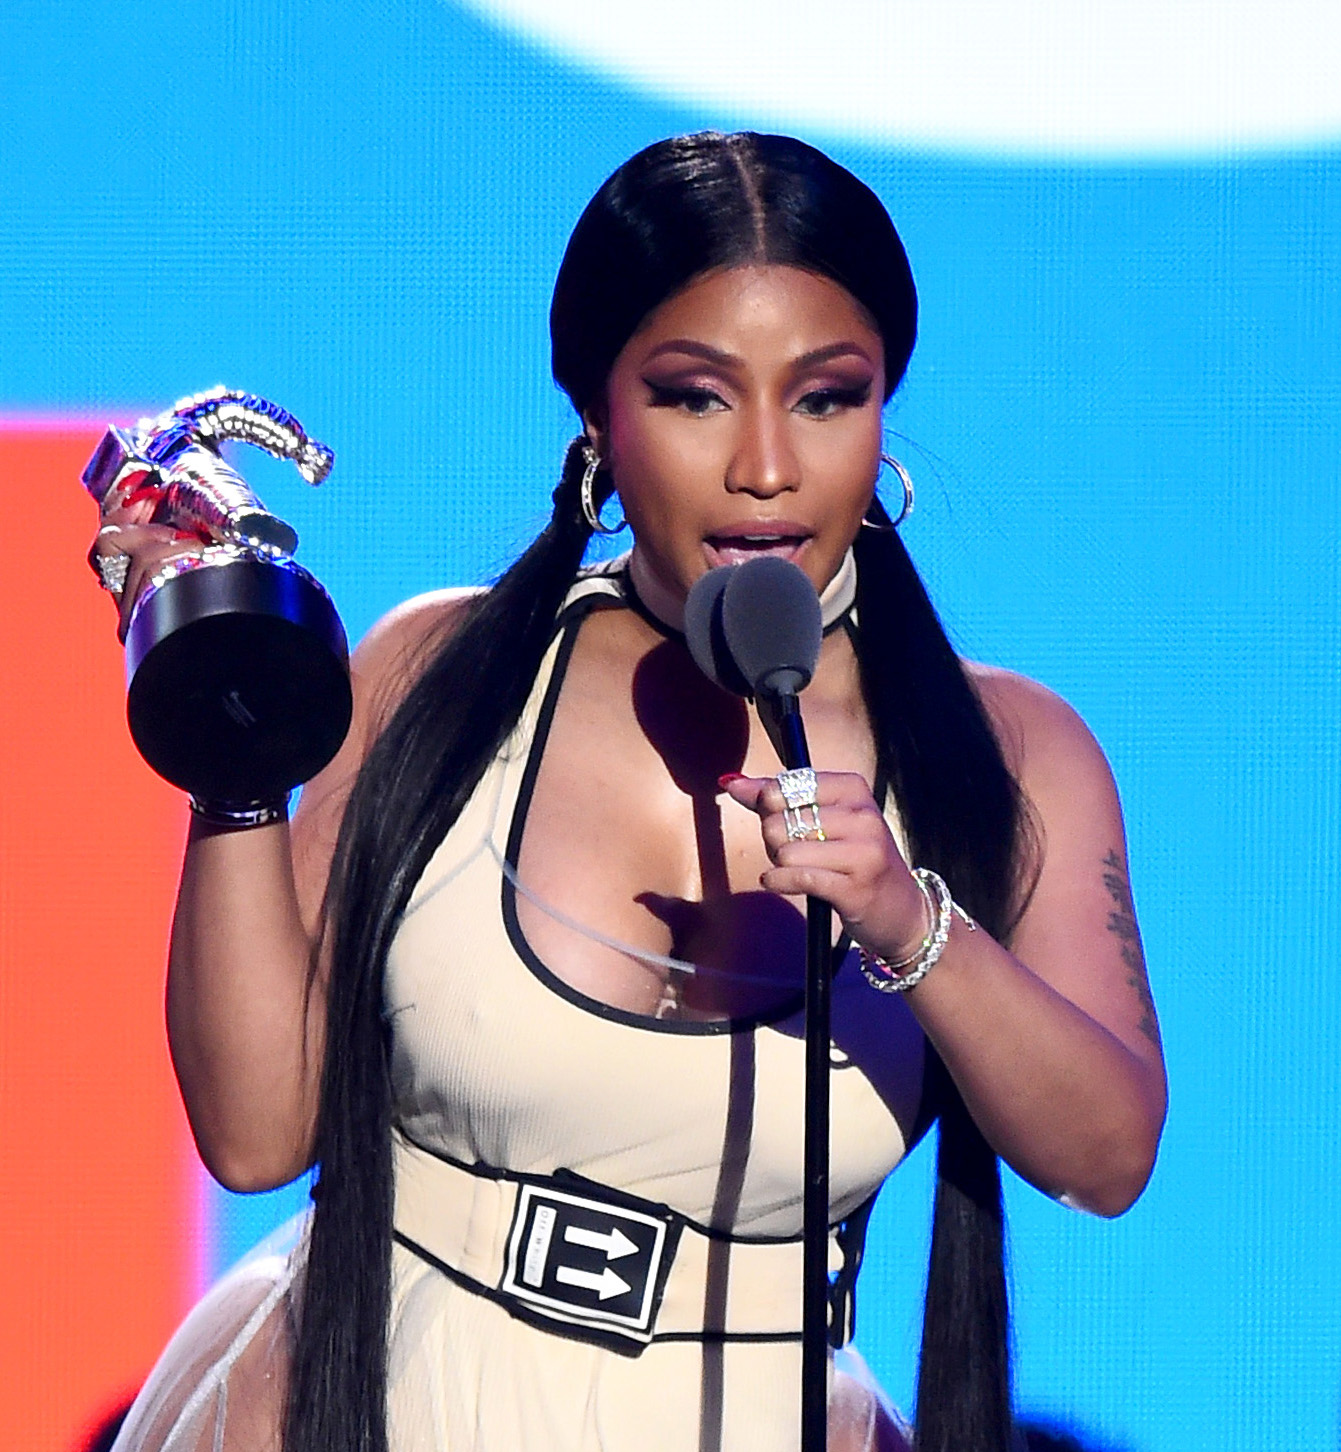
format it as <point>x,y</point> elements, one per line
<point>501,1067</point>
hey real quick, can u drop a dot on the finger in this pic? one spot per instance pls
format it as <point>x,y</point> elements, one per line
<point>138,509</point>
<point>132,509</point>
<point>808,881</point>
<point>895,915</point>
<point>125,557</point>
<point>746,790</point>
<point>156,542</point>
<point>763,793</point>
<point>135,484</point>
<point>848,839</point>
<point>839,824</point>
<point>109,561</point>
<point>104,544</point>
<point>760,794</point>
<point>802,852</point>
<point>128,538</point>
<point>144,568</point>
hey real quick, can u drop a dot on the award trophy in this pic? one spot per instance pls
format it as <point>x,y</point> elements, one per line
<point>237,665</point>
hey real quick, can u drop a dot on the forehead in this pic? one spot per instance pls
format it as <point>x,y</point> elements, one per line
<point>759,305</point>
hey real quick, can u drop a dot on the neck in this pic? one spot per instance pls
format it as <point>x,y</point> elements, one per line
<point>663,605</point>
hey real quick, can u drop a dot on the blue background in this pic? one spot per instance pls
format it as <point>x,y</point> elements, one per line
<point>1122,420</point>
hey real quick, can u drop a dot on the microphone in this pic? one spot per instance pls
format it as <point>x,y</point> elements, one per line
<point>755,629</point>
<point>772,626</point>
<point>704,634</point>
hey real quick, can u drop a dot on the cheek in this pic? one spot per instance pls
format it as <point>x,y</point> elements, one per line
<point>659,464</point>
<point>845,465</point>
<point>637,459</point>
<point>644,437</point>
<point>635,447</point>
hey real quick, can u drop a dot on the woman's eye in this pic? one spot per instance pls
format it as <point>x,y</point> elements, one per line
<point>824,402</point>
<point>692,400</point>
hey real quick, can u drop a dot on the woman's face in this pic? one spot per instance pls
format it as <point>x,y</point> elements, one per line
<point>743,418</point>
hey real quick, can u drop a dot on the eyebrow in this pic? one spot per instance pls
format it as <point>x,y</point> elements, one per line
<point>696,349</point>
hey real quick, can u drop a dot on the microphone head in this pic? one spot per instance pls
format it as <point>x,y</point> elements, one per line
<point>703,631</point>
<point>772,626</point>
<point>755,629</point>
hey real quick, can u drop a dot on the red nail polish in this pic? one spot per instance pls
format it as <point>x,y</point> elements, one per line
<point>727,778</point>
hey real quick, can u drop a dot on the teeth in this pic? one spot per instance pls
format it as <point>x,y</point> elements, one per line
<point>755,541</point>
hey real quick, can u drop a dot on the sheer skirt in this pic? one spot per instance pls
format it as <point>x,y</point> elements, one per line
<point>464,1376</point>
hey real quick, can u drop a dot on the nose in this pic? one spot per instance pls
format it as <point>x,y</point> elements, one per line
<point>763,462</point>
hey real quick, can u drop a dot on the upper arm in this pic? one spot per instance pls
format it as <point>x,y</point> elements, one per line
<point>382,669</point>
<point>1078,931</point>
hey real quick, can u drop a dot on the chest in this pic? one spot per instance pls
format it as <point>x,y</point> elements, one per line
<point>587,850</point>
<point>626,828</point>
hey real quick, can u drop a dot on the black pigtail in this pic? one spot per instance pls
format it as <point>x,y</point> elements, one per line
<point>417,778</point>
<point>964,819</point>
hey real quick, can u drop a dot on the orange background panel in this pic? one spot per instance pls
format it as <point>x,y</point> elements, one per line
<point>97,1180</point>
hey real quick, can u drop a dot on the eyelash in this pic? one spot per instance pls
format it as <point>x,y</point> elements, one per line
<point>831,398</point>
<point>665,395</point>
<point>821,401</point>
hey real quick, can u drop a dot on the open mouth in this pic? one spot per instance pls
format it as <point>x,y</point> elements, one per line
<point>735,549</point>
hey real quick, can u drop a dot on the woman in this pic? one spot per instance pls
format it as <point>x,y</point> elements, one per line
<point>522,975</point>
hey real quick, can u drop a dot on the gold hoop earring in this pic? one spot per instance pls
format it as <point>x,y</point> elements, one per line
<point>588,496</point>
<point>906,480</point>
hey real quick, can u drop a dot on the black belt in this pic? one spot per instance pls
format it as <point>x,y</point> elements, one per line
<point>583,1260</point>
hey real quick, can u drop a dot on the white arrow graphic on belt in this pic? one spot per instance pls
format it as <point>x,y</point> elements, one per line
<point>614,1242</point>
<point>606,1284</point>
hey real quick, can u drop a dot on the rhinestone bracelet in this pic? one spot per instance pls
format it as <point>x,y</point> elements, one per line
<point>906,973</point>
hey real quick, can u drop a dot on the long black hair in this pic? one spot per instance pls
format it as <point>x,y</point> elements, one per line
<point>674,211</point>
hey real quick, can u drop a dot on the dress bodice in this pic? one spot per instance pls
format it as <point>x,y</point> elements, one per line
<point>498,1060</point>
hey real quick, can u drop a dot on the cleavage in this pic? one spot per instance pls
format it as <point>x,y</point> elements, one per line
<point>628,834</point>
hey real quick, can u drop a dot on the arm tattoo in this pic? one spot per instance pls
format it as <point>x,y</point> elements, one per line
<point>1122,924</point>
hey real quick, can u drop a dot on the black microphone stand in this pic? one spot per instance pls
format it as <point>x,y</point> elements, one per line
<point>781,713</point>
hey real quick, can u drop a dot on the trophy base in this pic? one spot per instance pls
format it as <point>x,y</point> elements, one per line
<point>238,679</point>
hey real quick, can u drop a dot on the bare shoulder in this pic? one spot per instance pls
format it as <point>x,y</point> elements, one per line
<point>391,656</point>
<point>382,669</point>
<point>396,649</point>
<point>1046,743</point>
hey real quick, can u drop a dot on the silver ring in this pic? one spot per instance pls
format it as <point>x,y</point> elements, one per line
<point>799,830</point>
<point>800,792</point>
<point>112,572</point>
<point>799,787</point>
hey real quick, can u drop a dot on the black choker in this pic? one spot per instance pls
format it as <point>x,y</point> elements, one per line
<point>836,599</point>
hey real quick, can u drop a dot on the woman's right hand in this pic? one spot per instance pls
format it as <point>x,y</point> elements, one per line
<point>246,1002</point>
<point>128,532</point>
<point>245,1034</point>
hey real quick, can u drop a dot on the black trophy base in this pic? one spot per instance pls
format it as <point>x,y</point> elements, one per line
<point>238,679</point>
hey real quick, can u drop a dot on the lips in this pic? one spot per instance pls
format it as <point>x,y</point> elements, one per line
<point>738,543</point>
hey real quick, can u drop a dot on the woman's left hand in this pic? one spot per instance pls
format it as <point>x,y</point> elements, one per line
<point>1051,1039</point>
<point>857,867</point>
